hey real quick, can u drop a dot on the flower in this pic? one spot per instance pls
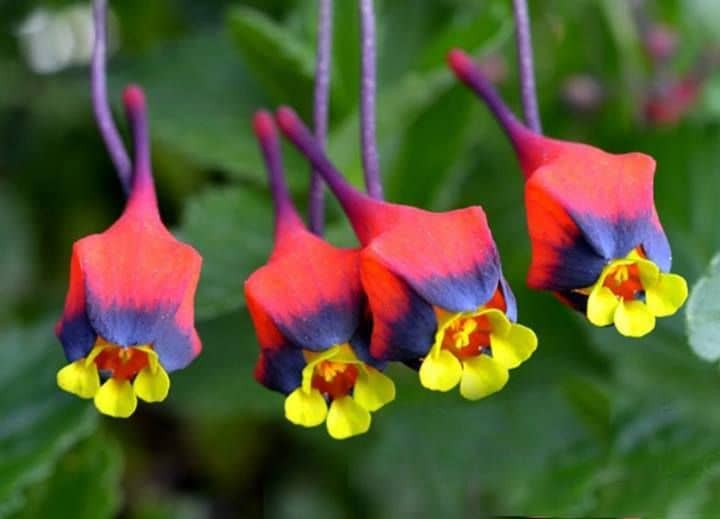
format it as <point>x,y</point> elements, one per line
<point>311,319</point>
<point>128,317</point>
<point>434,285</point>
<point>596,238</point>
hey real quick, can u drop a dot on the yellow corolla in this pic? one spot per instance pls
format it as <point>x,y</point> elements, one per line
<point>475,350</point>
<point>130,373</point>
<point>631,292</point>
<point>339,389</point>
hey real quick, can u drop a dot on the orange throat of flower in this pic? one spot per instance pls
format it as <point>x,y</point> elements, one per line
<point>334,379</point>
<point>468,337</point>
<point>121,363</point>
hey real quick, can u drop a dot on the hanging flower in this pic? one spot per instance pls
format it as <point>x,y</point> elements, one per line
<point>597,242</point>
<point>434,285</point>
<point>128,318</point>
<point>311,321</point>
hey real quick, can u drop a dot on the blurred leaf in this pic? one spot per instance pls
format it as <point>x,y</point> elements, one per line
<point>201,99</point>
<point>669,473</point>
<point>232,229</point>
<point>591,403</point>
<point>220,383</point>
<point>39,422</point>
<point>84,485</point>
<point>469,458</point>
<point>417,170</point>
<point>170,507</point>
<point>17,259</point>
<point>283,64</point>
<point>398,109</point>
<point>703,314</point>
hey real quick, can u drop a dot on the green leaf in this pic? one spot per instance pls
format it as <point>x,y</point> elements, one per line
<point>284,65</point>
<point>232,229</point>
<point>469,458</point>
<point>16,261</point>
<point>592,404</point>
<point>39,422</point>
<point>220,383</point>
<point>398,108</point>
<point>201,99</point>
<point>84,485</point>
<point>703,314</point>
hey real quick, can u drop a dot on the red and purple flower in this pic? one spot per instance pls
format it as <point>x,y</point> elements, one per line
<point>434,285</point>
<point>128,317</point>
<point>311,319</point>
<point>597,242</point>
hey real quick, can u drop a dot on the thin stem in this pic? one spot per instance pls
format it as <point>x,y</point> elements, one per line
<point>316,207</point>
<point>525,62</point>
<point>267,136</point>
<point>101,107</point>
<point>371,165</point>
<point>466,70</point>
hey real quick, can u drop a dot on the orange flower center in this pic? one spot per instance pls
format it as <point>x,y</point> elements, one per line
<point>624,281</point>
<point>121,363</point>
<point>468,337</point>
<point>334,379</point>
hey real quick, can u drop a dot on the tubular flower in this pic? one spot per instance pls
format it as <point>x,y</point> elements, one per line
<point>311,320</point>
<point>128,317</point>
<point>434,285</point>
<point>596,238</point>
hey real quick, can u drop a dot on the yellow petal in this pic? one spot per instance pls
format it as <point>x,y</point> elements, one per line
<point>152,356</point>
<point>79,379</point>
<point>515,347</point>
<point>347,418</point>
<point>601,306</point>
<point>499,322</point>
<point>649,273</point>
<point>116,398</point>
<point>440,371</point>
<point>100,346</point>
<point>373,389</point>
<point>152,386</point>
<point>305,408</point>
<point>634,319</point>
<point>482,376</point>
<point>667,295</point>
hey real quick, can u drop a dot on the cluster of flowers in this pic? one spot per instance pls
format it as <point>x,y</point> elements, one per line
<point>423,288</point>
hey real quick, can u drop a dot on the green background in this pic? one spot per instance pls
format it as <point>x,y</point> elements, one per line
<point>593,424</point>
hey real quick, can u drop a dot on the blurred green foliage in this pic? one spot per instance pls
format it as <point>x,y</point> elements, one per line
<point>593,425</point>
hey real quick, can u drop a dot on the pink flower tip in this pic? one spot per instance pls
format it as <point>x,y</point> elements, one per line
<point>287,119</point>
<point>263,125</point>
<point>460,62</point>
<point>134,98</point>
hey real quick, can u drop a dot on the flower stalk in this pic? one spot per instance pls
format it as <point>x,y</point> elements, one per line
<point>528,91</point>
<point>101,106</point>
<point>316,210</point>
<point>368,85</point>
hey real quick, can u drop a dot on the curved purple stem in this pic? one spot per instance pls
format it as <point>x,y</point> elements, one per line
<point>101,107</point>
<point>302,138</point>
<point>316,208</point>
<point>469,73</point>
<point>371,165</point>
<point>266,133</point>
<point>525,62</point>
